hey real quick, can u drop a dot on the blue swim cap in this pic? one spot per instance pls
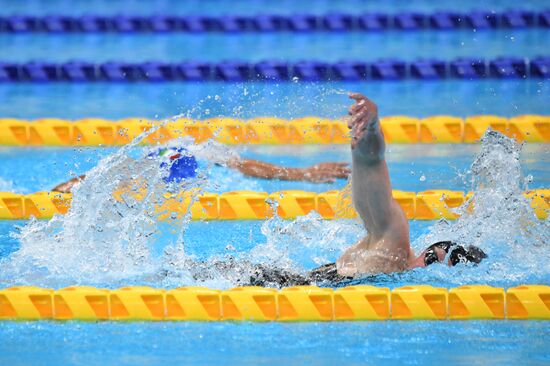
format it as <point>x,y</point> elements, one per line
<point>182,164</point>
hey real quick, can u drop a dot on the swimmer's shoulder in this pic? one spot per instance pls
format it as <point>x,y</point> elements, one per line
<point>370,257</point>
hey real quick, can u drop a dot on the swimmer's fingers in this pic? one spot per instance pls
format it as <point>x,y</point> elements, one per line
<point>364,101</point>
<point>319,177</point>
<point>354,108</point>
<point>357,110</point>
<point>333,170</point>
<point>331,165</point>
<point>358,105</point>
<point>357,119</point>
<point>327,172</point>
<point>325,180</point>
<point>361,99</point>
<point>353,111</point>
<point>342,170</point>
<point>360,128</point>
<point>339,175</point>
<point>357,96</point>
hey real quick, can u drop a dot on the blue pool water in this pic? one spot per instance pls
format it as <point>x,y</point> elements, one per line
<point>285,100</point>
<point>441,166</point>
<point>329,47</point>
<point>251,7</point>
<point>374,343</point>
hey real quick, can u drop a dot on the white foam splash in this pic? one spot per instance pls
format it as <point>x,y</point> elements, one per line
<point>309,241</point>
<point>102,238</point>
<point>502,223</point>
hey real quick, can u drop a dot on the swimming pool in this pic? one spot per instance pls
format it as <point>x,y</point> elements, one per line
<point>285,46</point>
<point>215,7</point>
<point>99,249</point>
<point>285,100</point>
<point>293,344</point>
<point>408,174</point>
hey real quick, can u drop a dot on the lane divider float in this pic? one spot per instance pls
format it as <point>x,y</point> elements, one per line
<point>407,21</point>
<point>293,304</point>
<point>275,70</point>
<point>250,205</point>
<point>266,130</point>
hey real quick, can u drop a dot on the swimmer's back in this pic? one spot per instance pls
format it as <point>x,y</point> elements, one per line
<point>272,276</point>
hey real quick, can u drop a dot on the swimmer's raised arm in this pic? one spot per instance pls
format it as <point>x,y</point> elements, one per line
<point>372,194</point>
<point>319,173</point>
<point>385,221</point>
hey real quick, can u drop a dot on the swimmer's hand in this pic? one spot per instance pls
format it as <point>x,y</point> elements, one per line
<point>326,172</point>
<point>364,116</point>
<point>66,187</point>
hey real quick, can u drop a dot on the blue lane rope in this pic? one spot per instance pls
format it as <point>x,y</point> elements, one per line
<point>463,68</point>
<point>267,23</point>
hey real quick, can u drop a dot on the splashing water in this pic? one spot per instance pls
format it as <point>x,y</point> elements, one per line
<point>108,236</point>
<point>111,231</point>
<point>309,241</point>
<point>502,222</point>
<point>112,224</point>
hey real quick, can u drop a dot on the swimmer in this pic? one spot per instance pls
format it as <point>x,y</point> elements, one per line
<point>386,248</point>
<point>183,165</point>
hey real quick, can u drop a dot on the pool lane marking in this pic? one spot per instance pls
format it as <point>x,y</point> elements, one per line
<point>266,130</point>
<point>249,205</point>
<point>292,304</point>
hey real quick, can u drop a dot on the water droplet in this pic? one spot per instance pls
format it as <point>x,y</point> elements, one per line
<point>422,178</point>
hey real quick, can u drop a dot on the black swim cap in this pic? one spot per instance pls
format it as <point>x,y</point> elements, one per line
<point>475,254</point>
<point>461,255</point>
<point>430,255</point>
<point>458,255</point>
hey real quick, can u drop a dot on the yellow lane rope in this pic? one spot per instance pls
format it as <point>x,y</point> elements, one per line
<point>250,205</point>
<point>302,303</point>
<point>266,130</point>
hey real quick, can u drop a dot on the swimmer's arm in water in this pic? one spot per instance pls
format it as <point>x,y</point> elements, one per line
<point>383,218</point>
<point>66,187</point>
<point>319,173</point>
